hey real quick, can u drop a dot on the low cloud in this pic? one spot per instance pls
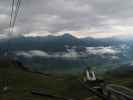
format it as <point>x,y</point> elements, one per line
<point>22,53</point>
<point>102,50</point>
<point>72,53</point>
<point>39,53</point>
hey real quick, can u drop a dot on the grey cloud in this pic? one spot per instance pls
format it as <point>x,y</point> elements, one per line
<point>55,16</point>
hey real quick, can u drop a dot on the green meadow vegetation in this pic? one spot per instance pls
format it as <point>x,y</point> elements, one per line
<point>20,82</point>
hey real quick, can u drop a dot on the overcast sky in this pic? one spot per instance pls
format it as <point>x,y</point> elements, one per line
<point>96,18</point>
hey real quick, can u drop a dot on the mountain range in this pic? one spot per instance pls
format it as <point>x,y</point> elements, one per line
<point>54,43</point>
<point>67,53</point>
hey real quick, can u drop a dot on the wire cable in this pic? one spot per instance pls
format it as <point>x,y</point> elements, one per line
<point>10,26</point>
<point>16,13</point>
<point>11,16</point>
<point>15,6</point>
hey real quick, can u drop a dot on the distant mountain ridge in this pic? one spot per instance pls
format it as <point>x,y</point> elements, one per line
<point>54,43</point>
<point>48,43</point>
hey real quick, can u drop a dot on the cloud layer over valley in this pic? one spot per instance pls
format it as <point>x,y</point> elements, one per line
<point>72,53</point>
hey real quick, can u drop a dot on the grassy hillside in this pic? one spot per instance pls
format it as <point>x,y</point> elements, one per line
<point>21,82</point>
<point>121,76</point>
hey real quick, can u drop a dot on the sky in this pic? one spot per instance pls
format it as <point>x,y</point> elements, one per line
<point>81,18</point>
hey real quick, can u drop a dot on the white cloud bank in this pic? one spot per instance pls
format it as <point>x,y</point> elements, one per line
<point>39,53</point>
<point>102,50</point>
<point>71,53</point>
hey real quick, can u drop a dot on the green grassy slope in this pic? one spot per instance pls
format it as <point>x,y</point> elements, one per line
<point>21,83</point>
<point>124,80</point>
